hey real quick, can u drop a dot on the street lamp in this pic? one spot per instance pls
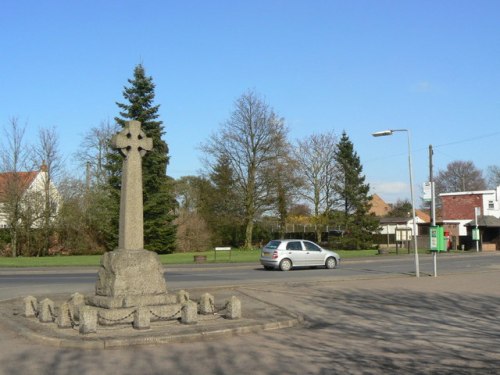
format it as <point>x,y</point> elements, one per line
<point>390,132</point>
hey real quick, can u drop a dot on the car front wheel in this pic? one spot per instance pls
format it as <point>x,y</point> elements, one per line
<point>331,263</point>
<point>285,265</point>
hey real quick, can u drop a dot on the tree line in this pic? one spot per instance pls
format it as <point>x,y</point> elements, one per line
<point>253,176</point>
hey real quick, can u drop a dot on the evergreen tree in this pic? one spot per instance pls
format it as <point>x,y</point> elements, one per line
<point>159,200</point>
<point>402,208</point>
<point>353,197</point>
<point>222,205</point>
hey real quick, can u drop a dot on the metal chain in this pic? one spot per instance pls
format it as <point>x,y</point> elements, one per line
<point>215,309</point>
<point>115,320</point>
<point>171,317</point>
<point>72,320</point>
<point>35,309</point>
<point>52,314</point>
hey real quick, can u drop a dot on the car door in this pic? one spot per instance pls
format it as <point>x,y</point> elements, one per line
<point>313,254</point>
<point>295,253</point>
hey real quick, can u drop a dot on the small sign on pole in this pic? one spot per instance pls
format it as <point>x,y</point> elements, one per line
<point>475,234</point>
<point>427,189</point>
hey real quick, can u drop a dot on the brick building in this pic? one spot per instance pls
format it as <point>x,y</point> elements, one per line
<point>458,214</point>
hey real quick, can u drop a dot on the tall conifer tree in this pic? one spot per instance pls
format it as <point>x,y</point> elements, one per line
<point>353,197</point>
<point>159,200</point>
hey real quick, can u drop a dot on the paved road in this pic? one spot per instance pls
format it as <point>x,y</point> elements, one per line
<point>395,324</point>
<point>19,282</point>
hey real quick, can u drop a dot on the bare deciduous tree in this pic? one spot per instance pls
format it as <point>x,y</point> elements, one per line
<point>493,176</point>
<point>459,176</point>
<point>47,152</point>
<point>315,156</point>
<point>251,139</point>
<point>14,156</point>
<point>93,151</point>
<point>287,184</point>
<point>192,232</point>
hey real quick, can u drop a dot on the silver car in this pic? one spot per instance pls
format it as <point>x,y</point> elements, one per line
<point>285,254</point>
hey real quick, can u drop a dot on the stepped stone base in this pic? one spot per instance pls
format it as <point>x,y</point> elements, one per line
<point>131,301</point>
<point>109,317</point>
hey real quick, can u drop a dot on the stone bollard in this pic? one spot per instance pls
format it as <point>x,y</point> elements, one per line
<point>63,320</point>
<point>206,304</point>
<point>189,313</point>
<point>46,311</point>
<point>233,309</point>
<point>88,320</point>
<point>30,306</point>
<point>182,296</point>
<point>76,301</point>
<point>142,318</point>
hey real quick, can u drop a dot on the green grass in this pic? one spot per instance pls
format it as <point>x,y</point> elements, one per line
<point>237,256</point>
<point>51,261</point>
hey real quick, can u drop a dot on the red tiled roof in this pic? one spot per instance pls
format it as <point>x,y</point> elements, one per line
<point>379,207</point>
<point>423,215</point>
<point>19,180</point>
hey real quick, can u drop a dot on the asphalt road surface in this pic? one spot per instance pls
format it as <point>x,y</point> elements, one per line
<point>20,282</point>
<point>366,317</point>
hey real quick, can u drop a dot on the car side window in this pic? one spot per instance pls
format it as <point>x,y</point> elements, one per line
<point>295,245</point>
<point>311,247</point>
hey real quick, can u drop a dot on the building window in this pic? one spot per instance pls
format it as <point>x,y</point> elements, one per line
<point>491,205</point>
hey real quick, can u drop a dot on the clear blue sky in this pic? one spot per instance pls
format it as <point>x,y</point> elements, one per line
<point>360,66</point>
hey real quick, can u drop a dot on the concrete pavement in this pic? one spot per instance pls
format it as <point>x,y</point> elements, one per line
<point>397,325</point>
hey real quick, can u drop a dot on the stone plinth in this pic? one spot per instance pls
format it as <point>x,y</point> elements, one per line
<point>88,320</point>
<point>130,273</point>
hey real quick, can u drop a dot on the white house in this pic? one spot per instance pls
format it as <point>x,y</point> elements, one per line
<point>31,186</point>
<point>398,225</point>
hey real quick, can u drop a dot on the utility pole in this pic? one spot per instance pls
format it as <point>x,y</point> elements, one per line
<point>433,192</point>
<point>433,204</point>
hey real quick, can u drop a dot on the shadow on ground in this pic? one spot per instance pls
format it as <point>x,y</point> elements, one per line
<point>346,332</point>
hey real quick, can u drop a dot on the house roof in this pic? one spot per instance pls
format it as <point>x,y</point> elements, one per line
<point>395,220</point>
<point>475,192</point>
<point>22,180</point>
<point>485,221</point>
<point>379,207</point>
<point>423,215</point>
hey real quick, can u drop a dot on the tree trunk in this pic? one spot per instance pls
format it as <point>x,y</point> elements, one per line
<point>318,234</point>
<point>249,234</point>
<point>13,242</point>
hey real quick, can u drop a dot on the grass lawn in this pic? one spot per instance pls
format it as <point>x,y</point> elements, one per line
<point>237,256</point>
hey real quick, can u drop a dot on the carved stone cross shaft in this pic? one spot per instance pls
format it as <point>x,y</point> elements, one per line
<point>133,144</point>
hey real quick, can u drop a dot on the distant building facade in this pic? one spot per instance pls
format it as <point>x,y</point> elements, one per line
<point>31,187</point>
<point>458,211</point>
<point>459,208</point>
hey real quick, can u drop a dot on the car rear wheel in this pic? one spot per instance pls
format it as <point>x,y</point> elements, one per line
<point>331,263</point>
<point>285,265</point>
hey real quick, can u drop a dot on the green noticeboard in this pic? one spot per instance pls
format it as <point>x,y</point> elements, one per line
<point>437,238</point>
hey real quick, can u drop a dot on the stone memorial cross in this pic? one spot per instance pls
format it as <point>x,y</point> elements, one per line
<point>133,144</point>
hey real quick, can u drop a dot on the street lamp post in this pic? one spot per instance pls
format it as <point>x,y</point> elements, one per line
<point>390,132</point>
